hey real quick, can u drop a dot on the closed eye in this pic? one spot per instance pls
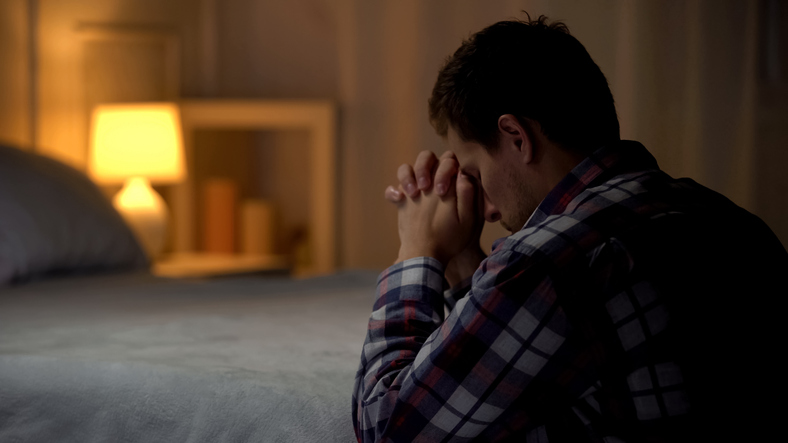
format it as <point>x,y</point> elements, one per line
<point>476,180</point>
<point>471,173</point>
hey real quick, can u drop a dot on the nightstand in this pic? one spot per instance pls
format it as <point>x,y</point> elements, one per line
<point>202,265</point>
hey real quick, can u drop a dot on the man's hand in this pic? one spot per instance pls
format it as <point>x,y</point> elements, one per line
<point>427,170</point>
<point>440,214</point>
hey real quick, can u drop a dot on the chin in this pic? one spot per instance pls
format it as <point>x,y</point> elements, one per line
<point>510,224</point>
<point>507,227</point>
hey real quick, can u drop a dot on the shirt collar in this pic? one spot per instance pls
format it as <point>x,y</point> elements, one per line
<point>605,163</point>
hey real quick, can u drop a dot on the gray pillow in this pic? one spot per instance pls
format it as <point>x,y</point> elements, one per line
<point>54,220</point>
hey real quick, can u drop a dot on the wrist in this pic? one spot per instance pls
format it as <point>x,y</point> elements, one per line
<point>406,253</point>
<point>464,265</point>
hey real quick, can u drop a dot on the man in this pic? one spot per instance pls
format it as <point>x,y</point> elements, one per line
<point>625,306</point>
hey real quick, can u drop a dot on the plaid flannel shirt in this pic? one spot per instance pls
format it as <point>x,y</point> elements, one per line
<point>564,332</point>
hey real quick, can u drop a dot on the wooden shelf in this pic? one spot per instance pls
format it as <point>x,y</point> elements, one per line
<point>182,265</point>
<point>318,118</point>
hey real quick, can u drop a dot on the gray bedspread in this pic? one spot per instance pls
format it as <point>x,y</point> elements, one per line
<point>135,358</point>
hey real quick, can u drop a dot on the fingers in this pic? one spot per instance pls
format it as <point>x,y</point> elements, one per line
<point>466,199</point>
<point>424,168</point>
<point>426,172</point>
<point>407,180</point>
<point>447,169</point>
<point>393,195</point>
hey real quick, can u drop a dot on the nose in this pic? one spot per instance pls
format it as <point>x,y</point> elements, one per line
<point>491,213</point>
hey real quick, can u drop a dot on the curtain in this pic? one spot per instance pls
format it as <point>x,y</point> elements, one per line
<point>683,74</point>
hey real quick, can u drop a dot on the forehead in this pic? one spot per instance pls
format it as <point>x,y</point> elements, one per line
<point>467,152</point>
<point>453,138</point>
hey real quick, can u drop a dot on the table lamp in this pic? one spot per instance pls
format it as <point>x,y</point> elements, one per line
<point>138,144</point>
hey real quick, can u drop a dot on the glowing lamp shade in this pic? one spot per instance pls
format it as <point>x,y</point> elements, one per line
<point>137,140</point>
<point>137,144</point>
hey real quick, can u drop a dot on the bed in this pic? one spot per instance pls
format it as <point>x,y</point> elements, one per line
<point>95,348</point>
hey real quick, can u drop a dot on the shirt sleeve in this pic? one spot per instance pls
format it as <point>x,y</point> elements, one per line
<point>457,292</point>
<point>426,379</point>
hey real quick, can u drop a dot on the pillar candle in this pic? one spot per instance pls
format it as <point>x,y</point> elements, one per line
<point>219,204</point>
<point>258,227</point>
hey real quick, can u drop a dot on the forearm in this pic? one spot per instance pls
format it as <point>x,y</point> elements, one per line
<point>421,375</point>
<point>408,308</point>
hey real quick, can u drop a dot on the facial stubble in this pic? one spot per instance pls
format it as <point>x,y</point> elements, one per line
<point>523,204</point>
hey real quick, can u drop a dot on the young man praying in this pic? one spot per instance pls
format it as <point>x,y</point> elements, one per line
<point>626,305</point>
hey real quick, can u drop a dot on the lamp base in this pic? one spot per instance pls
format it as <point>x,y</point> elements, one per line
<point>145,212</point>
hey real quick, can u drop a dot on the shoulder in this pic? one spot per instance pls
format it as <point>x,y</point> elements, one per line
<point>642,214</point>
<point>593,216</point>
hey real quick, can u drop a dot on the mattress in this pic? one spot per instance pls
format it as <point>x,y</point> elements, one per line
<point>137,358</point>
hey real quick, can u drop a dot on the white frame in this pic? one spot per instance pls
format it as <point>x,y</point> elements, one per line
<point>316,117</point>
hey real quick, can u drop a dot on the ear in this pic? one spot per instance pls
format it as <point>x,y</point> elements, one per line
<point>514,135</point>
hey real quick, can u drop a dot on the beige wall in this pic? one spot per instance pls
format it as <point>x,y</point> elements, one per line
<point>65,93</point>
<point>276,49</point>
<point>685,84</point>
<point>15,73</point>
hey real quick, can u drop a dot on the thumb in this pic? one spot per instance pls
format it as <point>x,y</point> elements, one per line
<point>466,199</point>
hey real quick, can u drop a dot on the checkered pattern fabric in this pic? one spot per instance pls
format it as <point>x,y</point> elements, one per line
<point>561,335</point>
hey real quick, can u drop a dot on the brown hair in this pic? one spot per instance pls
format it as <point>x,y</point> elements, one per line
<point>530,69</point>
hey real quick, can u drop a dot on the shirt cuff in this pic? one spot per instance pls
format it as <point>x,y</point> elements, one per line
<point>419,278</point>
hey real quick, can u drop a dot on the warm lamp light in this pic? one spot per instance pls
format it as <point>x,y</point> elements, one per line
<point>137,144</point>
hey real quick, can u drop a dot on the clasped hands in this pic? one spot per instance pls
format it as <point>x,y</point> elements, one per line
<point>439,214</point>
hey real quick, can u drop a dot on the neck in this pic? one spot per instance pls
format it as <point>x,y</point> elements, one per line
<point>555,164</point>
